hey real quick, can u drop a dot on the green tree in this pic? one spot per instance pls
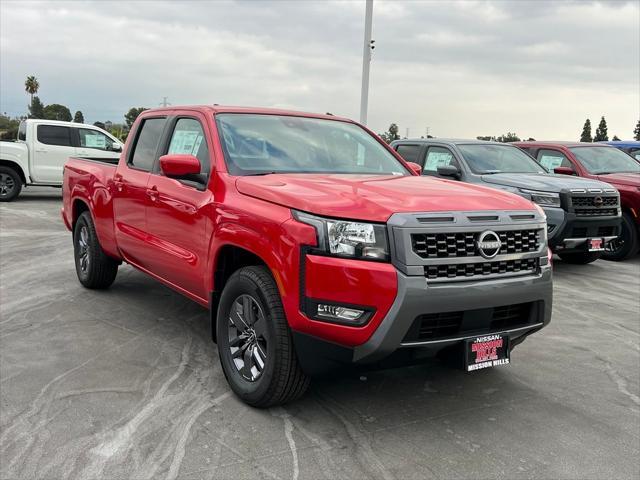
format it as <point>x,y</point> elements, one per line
<point>601,132</point>
<point>585,136</point>
<point>36,109</point>
<point>99,125</point>
<point>615,138</point>
<point>636,132</point>
<point>55,111</point>
<point>531,139</point>
<point>508,138</point>
<point>391,134</point>
<point>31,86</point>
<point>8,127</point>
<point>132,114</point>
<point>78,117</point>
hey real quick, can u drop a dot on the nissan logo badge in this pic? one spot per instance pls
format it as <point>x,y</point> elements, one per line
<point>489,244</point>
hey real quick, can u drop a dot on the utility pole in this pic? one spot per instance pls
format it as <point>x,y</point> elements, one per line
<point>407,135</point>
<point>164,102</point>
<point>366,61</point>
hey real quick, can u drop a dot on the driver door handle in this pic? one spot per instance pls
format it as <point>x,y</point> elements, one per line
<point>117,180</point>
<point>153,193</point>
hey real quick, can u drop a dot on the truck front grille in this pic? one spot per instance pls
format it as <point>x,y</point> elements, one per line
<point>438,326</point>
<point>449,247</point>
<point>581,202</point>
<point>479,269</point>
<point>595,205</point>
<point>446,245</point>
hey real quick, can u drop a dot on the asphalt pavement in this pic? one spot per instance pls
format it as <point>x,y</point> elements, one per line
<point>125,383</point>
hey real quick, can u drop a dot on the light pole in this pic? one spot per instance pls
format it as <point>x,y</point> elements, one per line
<point>366,61</point>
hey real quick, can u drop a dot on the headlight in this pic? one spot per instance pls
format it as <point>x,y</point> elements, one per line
<point>344,238</point>
<point>546,199</point>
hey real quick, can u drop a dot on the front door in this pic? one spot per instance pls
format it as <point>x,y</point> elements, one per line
<point>131,198</point>
<point>178,213</point>
<point>95,144</point>
<point>52,148</point>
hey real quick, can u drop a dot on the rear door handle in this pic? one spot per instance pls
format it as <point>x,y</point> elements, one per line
<point>152,193</point>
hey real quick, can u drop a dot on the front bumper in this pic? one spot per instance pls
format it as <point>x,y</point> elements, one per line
<point>568,232</point>
<point>416,297</point>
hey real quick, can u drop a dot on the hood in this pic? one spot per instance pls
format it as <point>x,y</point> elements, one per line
<point>545,183</point>
<point>374,197</point>
<point>630,179</point>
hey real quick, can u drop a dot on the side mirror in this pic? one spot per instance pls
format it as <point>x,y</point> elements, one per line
<point>564,171</point>
<point>415,168</point>
<point>116,148</point>
<point>179,165</point>
<point>448,171</point>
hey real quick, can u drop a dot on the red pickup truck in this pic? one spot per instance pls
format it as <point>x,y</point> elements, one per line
<point>600,162</point>
<point>313,244</point>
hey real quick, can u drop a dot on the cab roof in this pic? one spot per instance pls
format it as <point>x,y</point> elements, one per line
<point>215,109</point>
<point>538,143</point>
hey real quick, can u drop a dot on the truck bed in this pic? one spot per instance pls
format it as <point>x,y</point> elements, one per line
<point>90,182</point>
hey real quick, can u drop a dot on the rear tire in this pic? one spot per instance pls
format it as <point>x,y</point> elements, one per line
<point>626,244</point>
<point>95,269</point>
<point>10,184</point>
<point>581,258</point>
<point>254,341</point>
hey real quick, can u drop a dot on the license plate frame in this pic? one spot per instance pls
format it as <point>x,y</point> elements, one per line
<point>486,351</point>
<point>595,244</point>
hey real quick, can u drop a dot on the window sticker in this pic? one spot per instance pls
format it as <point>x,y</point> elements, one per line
<point>436,159</point>
<point>95,140</point>
<point>551,161</point>
<point>185,142</point>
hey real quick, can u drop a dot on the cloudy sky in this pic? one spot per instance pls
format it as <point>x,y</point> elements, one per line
<point>460,68</point>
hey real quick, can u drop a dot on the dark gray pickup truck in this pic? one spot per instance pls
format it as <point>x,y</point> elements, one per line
<point>582,215</point>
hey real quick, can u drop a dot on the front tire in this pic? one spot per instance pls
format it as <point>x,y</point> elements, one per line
<point>626,244</point>
<point>581,258</point>
<point>95,269</point>
<point>254,341</point>
<point>10,184</point>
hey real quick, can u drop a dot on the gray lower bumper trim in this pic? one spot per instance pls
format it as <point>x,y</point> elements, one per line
<point>417,296</point>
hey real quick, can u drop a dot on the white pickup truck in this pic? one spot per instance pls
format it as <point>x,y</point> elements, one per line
<point>38,155</point>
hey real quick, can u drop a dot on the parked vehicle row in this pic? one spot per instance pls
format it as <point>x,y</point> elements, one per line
<point>583,215</point>
<point>314,245</point>
<point>599,162</point>
<point>41,150</point>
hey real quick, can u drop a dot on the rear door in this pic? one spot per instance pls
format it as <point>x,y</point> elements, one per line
<point>177,215</point>
<point>130,199</point>
<point>52,146</point>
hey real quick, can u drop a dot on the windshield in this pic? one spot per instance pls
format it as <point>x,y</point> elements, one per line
<point>499,159</point>
<point>602,160</point>
<point>260,144</point>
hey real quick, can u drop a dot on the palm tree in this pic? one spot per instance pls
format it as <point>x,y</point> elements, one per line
<point>31,86</point>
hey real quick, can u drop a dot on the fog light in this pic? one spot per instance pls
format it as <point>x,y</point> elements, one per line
<point>342,314</point>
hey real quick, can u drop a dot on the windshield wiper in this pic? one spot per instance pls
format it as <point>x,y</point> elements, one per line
<point>491,172</point>
<point>260,174</point>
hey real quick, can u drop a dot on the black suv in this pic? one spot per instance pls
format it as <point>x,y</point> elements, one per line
<point>582,215</point>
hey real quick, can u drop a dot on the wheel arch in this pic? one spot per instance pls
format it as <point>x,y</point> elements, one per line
<point>15,166</point>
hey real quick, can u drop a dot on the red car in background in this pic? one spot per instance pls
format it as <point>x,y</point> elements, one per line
<point>601,162</point>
